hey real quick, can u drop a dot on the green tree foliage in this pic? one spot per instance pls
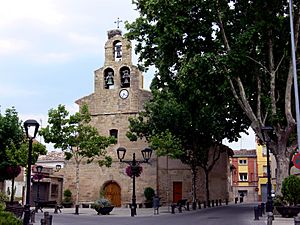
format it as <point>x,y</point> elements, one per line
<point>14,148</point>
<point>79,140</point>
<point>236,49</point>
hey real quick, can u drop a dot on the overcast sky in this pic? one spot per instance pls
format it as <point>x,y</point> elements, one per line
<point>49,50</point>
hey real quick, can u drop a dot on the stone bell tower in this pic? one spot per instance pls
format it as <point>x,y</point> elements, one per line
<point>118,95</point>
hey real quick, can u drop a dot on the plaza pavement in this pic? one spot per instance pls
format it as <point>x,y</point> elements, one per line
<point>163,211</point>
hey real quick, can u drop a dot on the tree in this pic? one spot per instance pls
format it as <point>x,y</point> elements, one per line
<point>185,127</point>
<point>13,147</point>
<point>246,43</point>
<point>76,138</point>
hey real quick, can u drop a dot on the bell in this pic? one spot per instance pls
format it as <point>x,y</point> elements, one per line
<point>118,51</point>
<point>110,81</point>
<point>126,80</point>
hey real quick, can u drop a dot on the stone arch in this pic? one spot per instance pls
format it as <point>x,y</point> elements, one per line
<point>112,191</point>
<point>118,50</point>
<point>109,78</point>
<point>125,77</point>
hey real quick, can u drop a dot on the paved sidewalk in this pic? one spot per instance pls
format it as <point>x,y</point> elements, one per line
<point>279,220</point>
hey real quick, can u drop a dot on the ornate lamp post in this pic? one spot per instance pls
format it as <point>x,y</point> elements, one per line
<point>29,125</point>
<point>146,153</point>
<point>39,177</point>
<point>266,131</point>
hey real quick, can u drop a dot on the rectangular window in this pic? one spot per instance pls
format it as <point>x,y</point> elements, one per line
<point>243,162</point>
<point>264,150</point>
<point>54,190</point>
<point>243,177</point>
<point>265,170</point>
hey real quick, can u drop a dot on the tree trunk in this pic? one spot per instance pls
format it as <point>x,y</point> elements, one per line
<point>77,183</point>
<point>12,190</point>
<point>206,184</point>
<point>194,191</point>
<point>282,163</point>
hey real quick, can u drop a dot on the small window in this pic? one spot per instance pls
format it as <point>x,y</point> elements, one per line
<point>265,170</point>
<point>243,162</point>
<point>114,133</point>
<point>264,150</point>
<point>243,177</point>
<point>54,190</point>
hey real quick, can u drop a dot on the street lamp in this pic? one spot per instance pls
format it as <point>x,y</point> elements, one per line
<point>31,129</point>
<point>146,153</point>
<point>39,177</point>
<point>266,131</point>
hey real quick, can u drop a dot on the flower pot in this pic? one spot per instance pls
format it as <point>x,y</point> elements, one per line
<point>288,211</point>
<point>104,210</point>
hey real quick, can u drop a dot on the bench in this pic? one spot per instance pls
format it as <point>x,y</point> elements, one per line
<point>39,205</point>
<point>17,210</point>
<point>181,203</point>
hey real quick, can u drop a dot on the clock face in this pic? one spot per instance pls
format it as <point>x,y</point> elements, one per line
<point>124,93</point>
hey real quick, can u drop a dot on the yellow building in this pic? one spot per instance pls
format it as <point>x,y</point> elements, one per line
<point>261,152</point>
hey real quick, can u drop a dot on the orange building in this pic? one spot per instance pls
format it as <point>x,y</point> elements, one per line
<point>244,174</point>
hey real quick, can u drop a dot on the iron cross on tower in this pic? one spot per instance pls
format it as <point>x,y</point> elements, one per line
<point>118,22</point>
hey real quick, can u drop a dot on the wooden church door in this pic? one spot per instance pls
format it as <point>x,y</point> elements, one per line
<point>113,192</point>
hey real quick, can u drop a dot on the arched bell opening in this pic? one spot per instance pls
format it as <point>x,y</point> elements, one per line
<point>112,192</point>
<point>125,77</point>
<point>118,50</point>
<point>109,78</point>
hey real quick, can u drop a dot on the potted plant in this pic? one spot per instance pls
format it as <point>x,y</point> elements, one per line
<point>103,206</point>
<point>67,202</point>
<point>149,194</point>
<point>286,204</point>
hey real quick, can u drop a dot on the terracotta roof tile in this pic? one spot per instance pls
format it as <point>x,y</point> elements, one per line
<point>245,153</point>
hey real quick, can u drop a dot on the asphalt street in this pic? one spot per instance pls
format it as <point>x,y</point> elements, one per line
<point>240,214</point>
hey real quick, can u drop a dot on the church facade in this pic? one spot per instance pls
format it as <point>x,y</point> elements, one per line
<point>119,94</point>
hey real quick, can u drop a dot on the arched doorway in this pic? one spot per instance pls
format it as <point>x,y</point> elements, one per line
<point>113,192</point>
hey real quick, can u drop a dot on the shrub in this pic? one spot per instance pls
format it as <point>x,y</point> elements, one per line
<point>100,203</point>
<point>67,196</point>
<point>149,193</point>
<point>3,199</point>
<point>291,189</point>
<point>7,218</point>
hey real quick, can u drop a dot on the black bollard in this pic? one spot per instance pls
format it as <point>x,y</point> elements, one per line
<point>217,202</point>
<point>173,208</point>
<point>296,220</point>
<point>49,220</point>
<point>43,222</point>
<point>259,211</point>
<point>204,204</point>
<point>220,202</point>
<point>208,203</point>
<point>55,209</point>
<point>226,201</point>
<point>188,206</point>
<point>212,203</point>
<point>76,209</point>
<point>199,205</point>
<point>262,208</point>
<point>256,214</point>
<point>194,205</point>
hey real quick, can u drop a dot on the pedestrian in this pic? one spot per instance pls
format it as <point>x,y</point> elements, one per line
<point>155,204</point>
